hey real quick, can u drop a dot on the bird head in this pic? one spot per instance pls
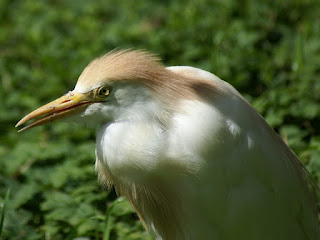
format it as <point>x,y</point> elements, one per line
<point>119,85</point>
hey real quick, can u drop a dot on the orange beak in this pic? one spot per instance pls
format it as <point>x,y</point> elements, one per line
<point>68,105</point>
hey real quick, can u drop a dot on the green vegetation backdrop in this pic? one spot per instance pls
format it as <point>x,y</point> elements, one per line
<point>269,50</point>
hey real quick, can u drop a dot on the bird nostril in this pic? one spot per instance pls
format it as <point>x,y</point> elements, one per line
<point>65,101</point>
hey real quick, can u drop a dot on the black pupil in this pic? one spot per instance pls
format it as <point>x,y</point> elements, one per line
<point>103,91</point>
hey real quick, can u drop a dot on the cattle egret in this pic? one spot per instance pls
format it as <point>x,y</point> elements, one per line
<point>194,159</point>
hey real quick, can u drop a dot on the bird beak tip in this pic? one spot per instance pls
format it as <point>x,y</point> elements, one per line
<point>18,124</point>
<point>21,122</point>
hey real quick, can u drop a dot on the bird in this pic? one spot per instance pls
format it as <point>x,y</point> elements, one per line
<point>191,155</point>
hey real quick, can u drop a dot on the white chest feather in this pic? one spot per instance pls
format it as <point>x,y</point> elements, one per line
<point>138,148</point>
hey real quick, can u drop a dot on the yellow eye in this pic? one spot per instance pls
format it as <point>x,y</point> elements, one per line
<point>103,92</point>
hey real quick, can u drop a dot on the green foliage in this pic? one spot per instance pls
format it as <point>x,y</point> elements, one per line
<point>269,50</point>
<point>3,210</point>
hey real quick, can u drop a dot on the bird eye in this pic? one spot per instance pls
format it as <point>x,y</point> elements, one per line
<point>103,92</point>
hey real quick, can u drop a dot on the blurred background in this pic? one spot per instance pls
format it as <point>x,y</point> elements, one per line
<point>268,50</point>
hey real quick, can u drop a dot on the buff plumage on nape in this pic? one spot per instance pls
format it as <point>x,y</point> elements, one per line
<point>195,160</point>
